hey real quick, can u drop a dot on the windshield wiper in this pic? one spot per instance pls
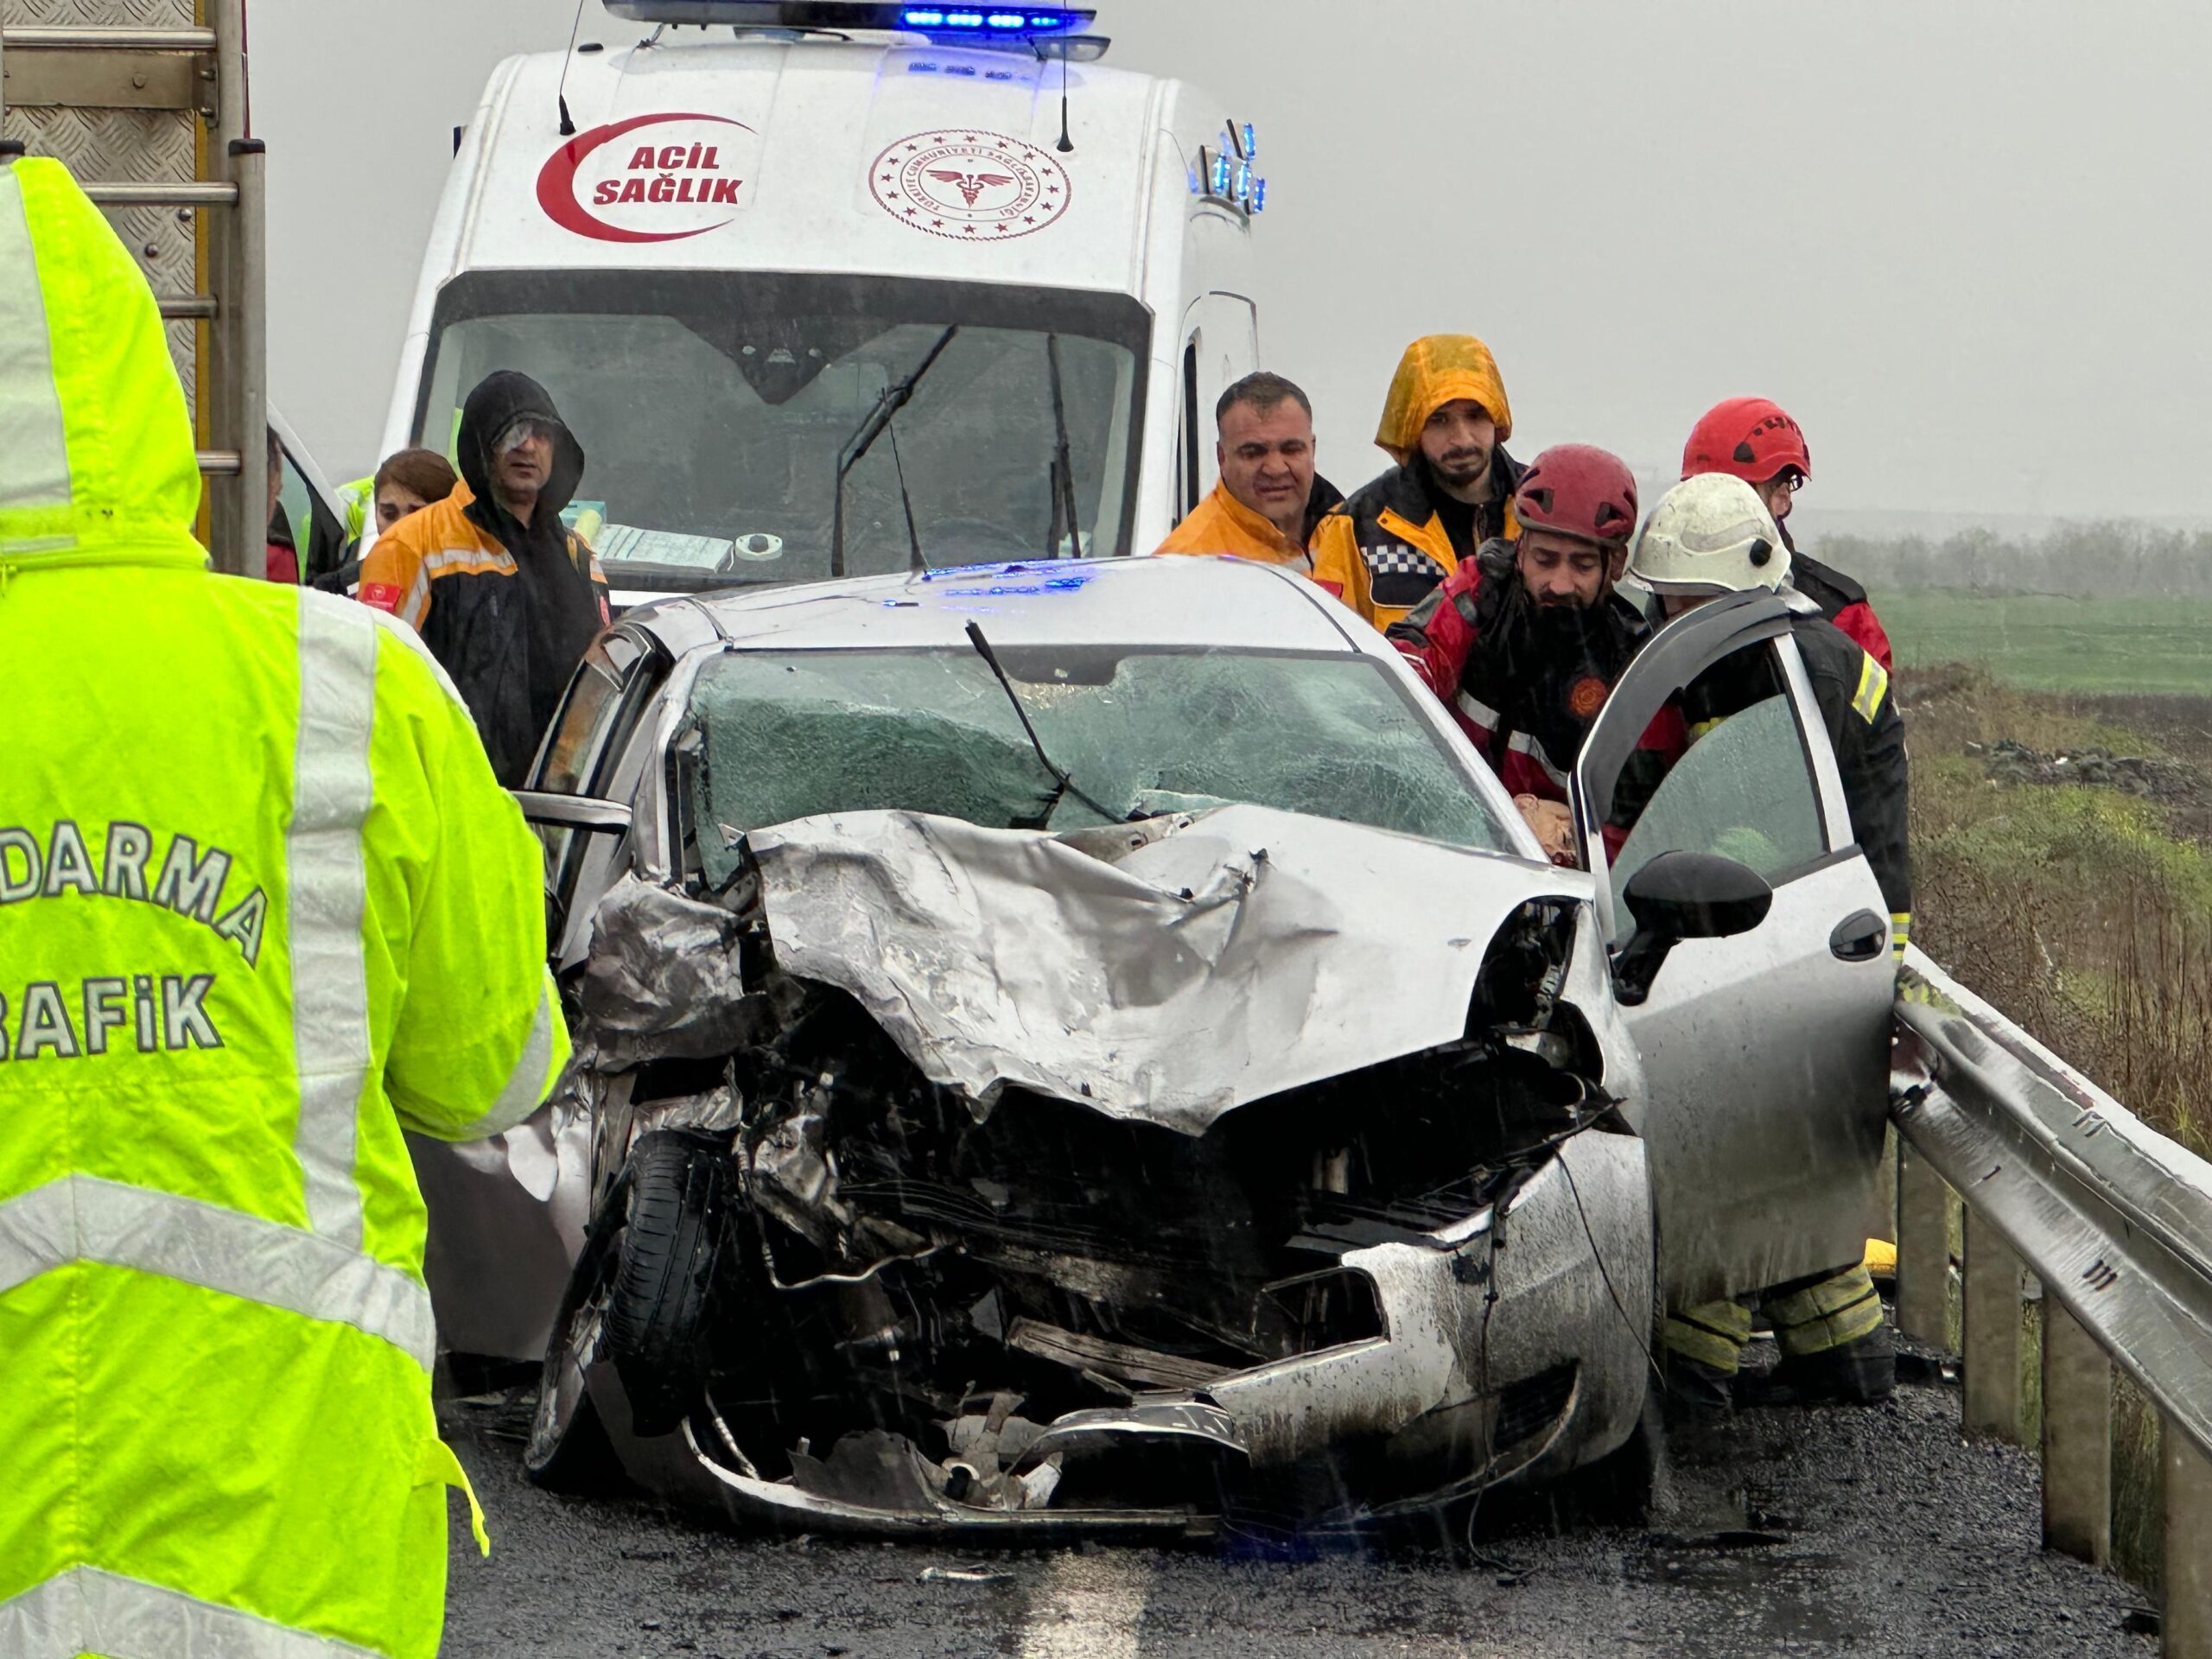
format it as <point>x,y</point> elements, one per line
<point>893,400</point>
<point>1063,463</point>
<point>1066,786</point>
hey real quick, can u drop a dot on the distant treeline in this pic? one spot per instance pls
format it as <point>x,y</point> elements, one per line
<point>2115,558</point>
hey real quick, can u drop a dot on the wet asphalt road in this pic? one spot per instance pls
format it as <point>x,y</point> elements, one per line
<point>1836,1530</point>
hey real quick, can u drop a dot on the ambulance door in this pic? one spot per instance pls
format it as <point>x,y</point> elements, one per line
<point>1220,347</point>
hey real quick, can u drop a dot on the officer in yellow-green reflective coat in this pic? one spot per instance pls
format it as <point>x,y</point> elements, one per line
<point>261,903</point>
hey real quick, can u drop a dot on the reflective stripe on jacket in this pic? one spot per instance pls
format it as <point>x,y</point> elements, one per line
<point>454,583</point>
<point>1221,524</point>
<point>1526,709</point>
<point>1389,529</point>
<point>260,903</point>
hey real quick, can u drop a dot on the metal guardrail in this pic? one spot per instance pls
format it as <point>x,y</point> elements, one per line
<point>2114,1221</point>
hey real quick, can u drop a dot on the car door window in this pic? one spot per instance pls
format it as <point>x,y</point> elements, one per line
<point>1745,790</point>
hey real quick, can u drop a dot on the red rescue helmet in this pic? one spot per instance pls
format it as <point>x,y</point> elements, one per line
<point>1750,438</point>
<point>1578,490</point>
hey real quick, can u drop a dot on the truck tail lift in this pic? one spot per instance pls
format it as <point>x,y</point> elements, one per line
<point>152,120</point>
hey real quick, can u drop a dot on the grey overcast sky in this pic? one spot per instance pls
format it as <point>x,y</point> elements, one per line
<point>1965,244</point>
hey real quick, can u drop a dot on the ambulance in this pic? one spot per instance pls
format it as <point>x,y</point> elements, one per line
<point>832,290</point>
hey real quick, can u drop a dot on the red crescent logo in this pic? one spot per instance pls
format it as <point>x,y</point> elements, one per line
<point>557,182</point>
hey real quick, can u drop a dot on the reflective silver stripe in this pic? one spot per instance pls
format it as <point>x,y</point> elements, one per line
<point>1481,713</point>
<point>83,1219</point>
<point>33,451</point>
<point>1523,743</point>
<point>527,1084</point>
<point>88,1611</point>
<point>327,884</point>
<point>416,602</point>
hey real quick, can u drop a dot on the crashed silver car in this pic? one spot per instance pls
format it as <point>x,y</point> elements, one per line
<point>1091,1046</point>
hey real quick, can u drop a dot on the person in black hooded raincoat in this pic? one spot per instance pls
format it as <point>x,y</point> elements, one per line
<point>505,597</point>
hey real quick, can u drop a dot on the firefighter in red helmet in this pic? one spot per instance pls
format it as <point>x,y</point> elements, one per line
<point>1755,439</point>
<point>1525,641</point>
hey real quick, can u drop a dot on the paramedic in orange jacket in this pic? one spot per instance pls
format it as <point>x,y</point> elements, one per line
<point>1269,497</point>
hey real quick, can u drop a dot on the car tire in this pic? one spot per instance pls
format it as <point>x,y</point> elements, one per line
<point>568,1450</point>
<point>657,1313</point>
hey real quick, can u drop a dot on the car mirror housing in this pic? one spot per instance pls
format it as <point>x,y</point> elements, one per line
<point>1680,896</point>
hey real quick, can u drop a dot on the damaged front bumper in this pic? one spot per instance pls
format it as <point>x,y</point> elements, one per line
<point>1557,1297</point>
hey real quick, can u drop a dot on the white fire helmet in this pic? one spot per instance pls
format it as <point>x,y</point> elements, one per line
<point>1708,535</point>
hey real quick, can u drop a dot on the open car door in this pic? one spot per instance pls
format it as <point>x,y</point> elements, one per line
<point>1765,1054</point>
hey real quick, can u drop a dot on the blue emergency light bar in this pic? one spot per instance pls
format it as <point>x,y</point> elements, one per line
<point>999,25</point>
<point>953,21</point>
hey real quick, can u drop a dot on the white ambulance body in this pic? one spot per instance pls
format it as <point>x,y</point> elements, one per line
<point>756,238</point>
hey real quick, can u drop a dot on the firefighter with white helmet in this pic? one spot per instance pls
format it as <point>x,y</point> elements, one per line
<point>1712,535</point>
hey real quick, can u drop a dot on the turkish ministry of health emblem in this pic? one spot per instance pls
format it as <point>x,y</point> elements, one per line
<point>971,187</point>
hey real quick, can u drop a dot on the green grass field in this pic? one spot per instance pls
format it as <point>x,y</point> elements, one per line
<point>2142,646</point>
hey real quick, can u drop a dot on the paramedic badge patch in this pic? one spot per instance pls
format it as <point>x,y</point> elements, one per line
<point>1587,696</point>
<point>970,186</point>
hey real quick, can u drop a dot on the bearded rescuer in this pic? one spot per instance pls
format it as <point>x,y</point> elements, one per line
<point>261,904</point>
<point>1445,422</point>
<point>504,596</point>
<point>1712,535</point>
<point>1525,641</point>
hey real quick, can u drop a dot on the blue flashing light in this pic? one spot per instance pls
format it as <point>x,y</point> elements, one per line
<point>1221,176</point>
<point>960,20</point>
<point>1259,195</point>
<point>1251,144</point>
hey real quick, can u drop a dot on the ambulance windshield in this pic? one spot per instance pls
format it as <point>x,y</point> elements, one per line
<point>713,406</point>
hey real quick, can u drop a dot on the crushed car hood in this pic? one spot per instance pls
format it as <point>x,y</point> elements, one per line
<point>1164,972</point>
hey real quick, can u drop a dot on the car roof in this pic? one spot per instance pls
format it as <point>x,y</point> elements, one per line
<point>1174,602</point>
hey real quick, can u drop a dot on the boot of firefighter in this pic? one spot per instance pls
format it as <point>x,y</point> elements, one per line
<point>1704,1348</point>
<point>1834,1343</point>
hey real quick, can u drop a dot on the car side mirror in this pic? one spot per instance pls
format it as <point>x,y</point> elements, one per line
<point>1680,896</point>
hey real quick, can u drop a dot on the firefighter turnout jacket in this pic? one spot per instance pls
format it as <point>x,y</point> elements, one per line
<point>1843,601</point>
<point>506,609</point>
<point>1524,680</point>
<point>261,902</point>
<point>1864,729</point>
<point>1224,525</point>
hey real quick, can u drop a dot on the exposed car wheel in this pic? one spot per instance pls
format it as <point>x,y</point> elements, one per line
<point>568,1450</point>
<point>656,1321</point>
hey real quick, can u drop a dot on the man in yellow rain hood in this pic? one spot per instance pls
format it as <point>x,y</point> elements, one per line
<point>1444,423</point>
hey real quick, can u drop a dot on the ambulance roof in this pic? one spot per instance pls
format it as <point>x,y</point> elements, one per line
<point>872,156</point>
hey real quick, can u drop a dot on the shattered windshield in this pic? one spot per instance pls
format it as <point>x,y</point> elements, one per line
<point>791,733</point>
<point>713,408</point>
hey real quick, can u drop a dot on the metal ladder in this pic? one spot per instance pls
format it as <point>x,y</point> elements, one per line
<point>152,116</point>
